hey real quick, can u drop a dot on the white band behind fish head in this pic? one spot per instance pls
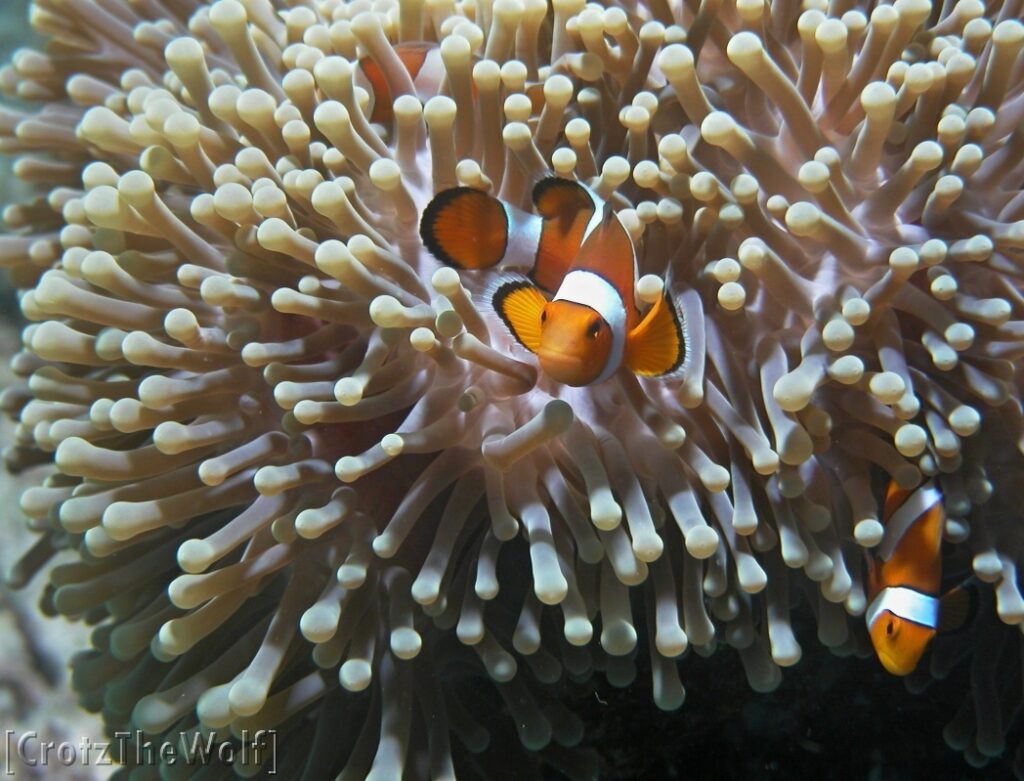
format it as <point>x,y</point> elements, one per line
<point>593,290</point>
<point>906,603</point>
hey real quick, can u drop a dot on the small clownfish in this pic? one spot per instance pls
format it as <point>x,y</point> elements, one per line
<point>576,307</point>
<point>422,60</point>
<point>905,576</point>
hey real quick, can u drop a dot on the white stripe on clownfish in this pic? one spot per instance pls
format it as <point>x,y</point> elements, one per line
<point>590,289</point>
<point>582,329</point>
<point>471,230</point>
<point>896,526</point>
<point>524,232</point>
<point>906,603</point>
<point>905,577</point>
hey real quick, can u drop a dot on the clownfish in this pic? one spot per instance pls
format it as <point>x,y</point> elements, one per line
<point>905,577</point>
<point>576,306</point>
<point>422,61</point>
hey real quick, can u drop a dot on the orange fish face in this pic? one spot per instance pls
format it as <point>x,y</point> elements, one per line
<point>575,342</point>
<point>899,644</point>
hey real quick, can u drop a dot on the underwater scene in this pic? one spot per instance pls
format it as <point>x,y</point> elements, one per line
<point>421,390</point>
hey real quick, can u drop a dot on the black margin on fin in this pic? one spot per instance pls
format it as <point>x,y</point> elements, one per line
<point>679,334</point>
<point>429,217</point>
<point>676,321</point>
<point>502,288</point>
<point>552,182</point>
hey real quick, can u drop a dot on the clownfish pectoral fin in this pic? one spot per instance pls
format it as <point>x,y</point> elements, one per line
<point>520,305</point>
<point>957,607</point>
<point>655,346</point>
<point>465,228</point>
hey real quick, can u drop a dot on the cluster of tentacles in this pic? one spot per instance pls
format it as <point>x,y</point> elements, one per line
<point>301,478</point>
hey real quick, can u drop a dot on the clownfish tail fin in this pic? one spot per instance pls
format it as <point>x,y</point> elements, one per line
<point>465,228</point>
<point>520,305</point>
<point>655,346</point>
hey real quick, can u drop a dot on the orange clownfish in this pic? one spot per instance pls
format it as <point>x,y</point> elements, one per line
<point>421,59</point>
<point>904,610</point>
<point>576,308</point>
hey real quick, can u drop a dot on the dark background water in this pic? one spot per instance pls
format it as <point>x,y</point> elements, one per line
<point>831,718</point>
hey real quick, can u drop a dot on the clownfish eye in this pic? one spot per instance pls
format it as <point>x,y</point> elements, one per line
<point>594,329</point>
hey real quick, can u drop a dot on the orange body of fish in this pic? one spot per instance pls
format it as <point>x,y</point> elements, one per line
<point>905,578</point>
<point>576,307</point>
<point>422,61</point>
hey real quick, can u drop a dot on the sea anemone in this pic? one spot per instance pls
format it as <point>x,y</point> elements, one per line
<point>289,455</point>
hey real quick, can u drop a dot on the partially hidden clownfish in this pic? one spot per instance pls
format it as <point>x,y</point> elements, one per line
<point>576,307</point>
<point>422,61</point>
<point>905,611</point>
